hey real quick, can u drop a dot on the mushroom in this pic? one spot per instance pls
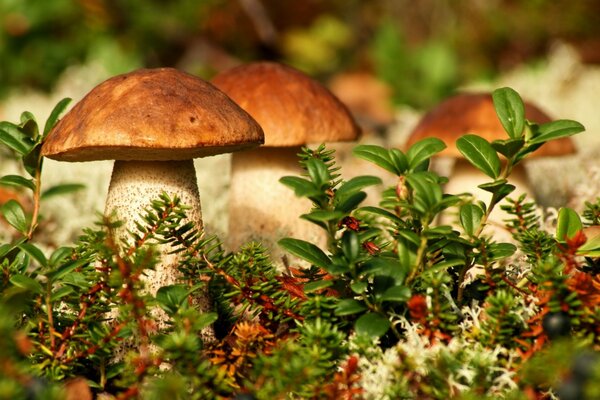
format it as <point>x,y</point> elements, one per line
<point>293,110</point>
<point>475,113</point>
<point>153,123</point>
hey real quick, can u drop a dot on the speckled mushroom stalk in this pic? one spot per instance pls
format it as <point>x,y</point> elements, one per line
<point>153,123</point>
<point>293,110</point>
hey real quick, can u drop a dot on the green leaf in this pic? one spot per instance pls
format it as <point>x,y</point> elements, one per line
<point>14,215</point>
<point>511,111</point>
<point>35,253</point>
<point>55,114</point>
<point>26,282</point>
<point>62,292</point>
<point>427,193</point>
<point>555,130</point>
<point>398,159</point>
<point>317,285</point>
<point>323,215</point>
<point>508,147</point>
<point>65,270</point>
<point>29,125</point>
<point>372,325</point>
<point>399,294</point>
<point>349,307</point>
<point>17,180</point>
<point>301,187</point>
<point>470,218</point>
<point>317,170</point>
<point>377,155</point>
<point>59,255</point>
<point>498,251</point>
<point>171,298</point>
<point>423,150</point>
<point>381,212</point>
<point>355,184</point>
<point>350,245</point>
<point>306,251</point>
<point>61,189</point>
<point>359,287</point>
<point>350,202</point>
<point>32,161</point>
<point>11,136</point>
<point>493,187</point>
<point>480,153</point>
<point>568,224</point>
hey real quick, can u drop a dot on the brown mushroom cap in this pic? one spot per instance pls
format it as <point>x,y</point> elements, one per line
<point>474,113</point>
<point>152,114</point>
<point>292,108</point>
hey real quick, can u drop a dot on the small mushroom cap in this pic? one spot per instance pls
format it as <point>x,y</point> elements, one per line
<point>152,114</point>
<point>292,108</point>
<point>474,113</point>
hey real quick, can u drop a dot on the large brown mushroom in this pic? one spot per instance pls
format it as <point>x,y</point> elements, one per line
<point>293,110</point>
<point>474,113</point>
<point>153,123</point>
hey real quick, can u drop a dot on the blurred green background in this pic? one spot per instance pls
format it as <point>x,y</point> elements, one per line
<point>422,49</point>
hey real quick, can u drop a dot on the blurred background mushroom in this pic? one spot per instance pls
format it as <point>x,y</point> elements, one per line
<point>152,122</point>
<point>293,110</point>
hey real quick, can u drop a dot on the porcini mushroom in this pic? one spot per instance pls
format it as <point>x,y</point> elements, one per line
<point>153,123</point>
<point>474,113</point>
<point>293,110</point>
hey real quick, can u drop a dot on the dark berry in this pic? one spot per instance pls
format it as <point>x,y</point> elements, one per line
<point>556,324</point>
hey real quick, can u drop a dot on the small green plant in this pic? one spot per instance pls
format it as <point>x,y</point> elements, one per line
<point>396,305</point>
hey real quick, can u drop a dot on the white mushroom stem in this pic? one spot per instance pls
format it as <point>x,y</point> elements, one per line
<point>261,208</point>
<point>134,185</point>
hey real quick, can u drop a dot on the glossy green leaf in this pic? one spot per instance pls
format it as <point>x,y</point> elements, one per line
<point>65,269</point>
<point>58,109</point>
<point>171,298</point>
<point>493,187</point>
<point>349,307</point>
<point>18,181</point>
<point>35,253</point>
<point>511,111</point>
<point>11,136</point>
<point>556,130</point>
<point>350,245</point>
<point>13,214</point>
<point>423,150</point>
<point>377,155</point>
<point>426,192</point>
<point>498,251</point>
<point>59,255</point>
<point>301,187</point>
<point>350,202</point>
<point>306,251</point>
<point>317,285</point>
<point>355,185</point>
<point>322,216</point>
<point>568,224</point>
<point>29,125</point>
<point>381,212</point>
<point>372,325</point>
<point>480,153</point>
<point>398,294</point>
<point>359,287</point>
<point>470,218</point>
<point>318,172</point>
<point>26,282</point>
<point>61,292</point>
<point>399,160</point>
<point>508,147</point>
<point>63,188</point>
